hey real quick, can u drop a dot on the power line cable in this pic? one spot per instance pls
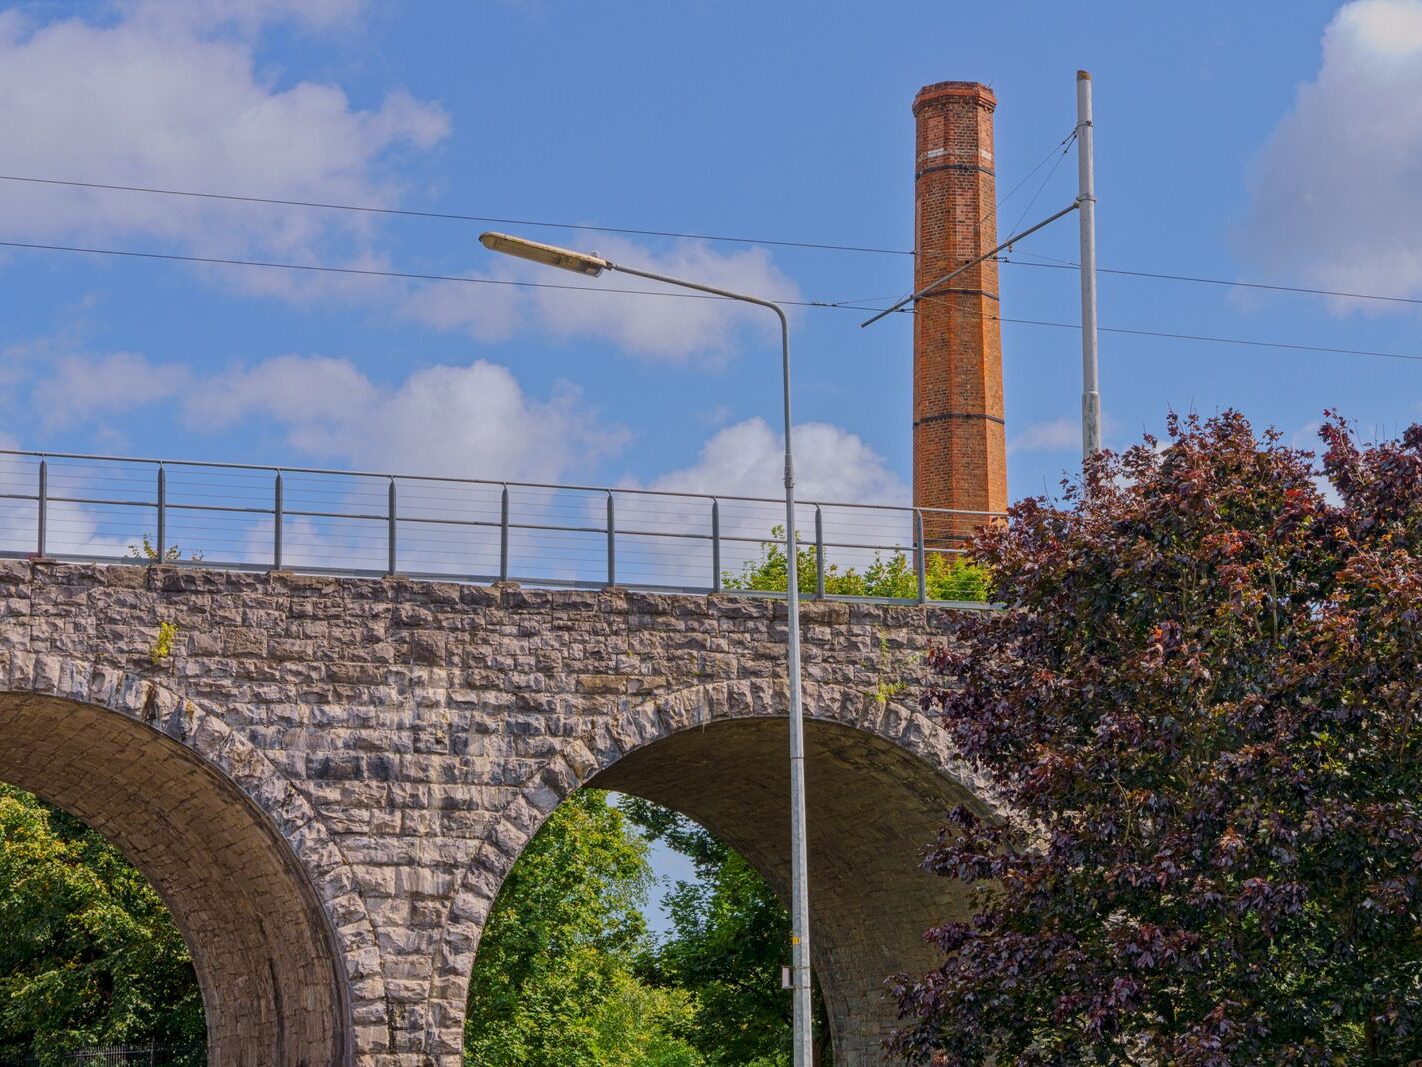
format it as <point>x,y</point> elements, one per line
<point>774,242</point>
<point>1224,340</point>
<point>1065,147</point>
<point>830,305</point>
<point>461,217</point>
<point>449,215</point>
<point>1200,280</point>
<point>408,275</point>
<point>998,205</point>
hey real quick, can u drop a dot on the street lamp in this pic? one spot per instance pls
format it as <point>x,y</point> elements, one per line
<point>592,266</point>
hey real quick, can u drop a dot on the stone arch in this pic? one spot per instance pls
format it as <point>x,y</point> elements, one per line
<point>880,776</point>
<point>254,882</point>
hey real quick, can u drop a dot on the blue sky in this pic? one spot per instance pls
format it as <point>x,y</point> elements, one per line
<point>1271,141</point>
<point>1237,141</point>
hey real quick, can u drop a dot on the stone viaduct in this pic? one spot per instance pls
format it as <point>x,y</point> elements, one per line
<point>328,778</point>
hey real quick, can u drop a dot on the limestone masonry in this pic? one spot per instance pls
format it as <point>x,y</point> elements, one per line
<point>329,778</point>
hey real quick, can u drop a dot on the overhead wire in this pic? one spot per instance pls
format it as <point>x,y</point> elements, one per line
<point>1065,147</point>
<point>1204,338</point>
<point>831,305</point>
<point>1066,264</point>
<point>772,242</point>
<point>406,275</point>
<point>997,205</point>
<point>451,215</point>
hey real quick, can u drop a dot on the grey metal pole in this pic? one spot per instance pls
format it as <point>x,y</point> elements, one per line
<point>278,506</point>
<point>391,532</point>
<point>162,514</point>
<point>920,564</point>
<point>799,854</point>
<point>819,554</point>
<point>1086,170</point>
<point>715,546</point>
<point>504,535</point>
<point>611,542</point>
<point>42,507</point>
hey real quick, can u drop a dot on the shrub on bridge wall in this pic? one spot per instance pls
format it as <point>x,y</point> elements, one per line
<point>1202,700</point>
<point>947,577</point>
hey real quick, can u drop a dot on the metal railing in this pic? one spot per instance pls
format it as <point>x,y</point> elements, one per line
<point>152,1055</point>
<point>78,507</point>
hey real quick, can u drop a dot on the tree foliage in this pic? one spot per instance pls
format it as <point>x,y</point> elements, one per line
<point>1202,703</point>
<point>90,954</point>
<point>556,980</point>
<point>729,937</point>
<point>946,577</point>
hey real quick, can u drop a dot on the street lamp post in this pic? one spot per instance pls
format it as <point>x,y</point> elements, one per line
<point>592,266</point>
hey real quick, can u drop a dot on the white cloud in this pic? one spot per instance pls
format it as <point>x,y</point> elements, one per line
<point>175,94</point>
<point>666,328</point>
<point>748,458</point>
<point>670,328</point>
<point>1337,199</point>
<point>77,387</point>
<point>172,95</point>
<point>474,421</point>
<point>308,394</point>
<point>247,15</point>
<point>484,312</point>
<point>1056,435</point>
<point>71,529</point>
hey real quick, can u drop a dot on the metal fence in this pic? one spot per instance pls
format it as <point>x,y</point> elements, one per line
<point>128,1055</point>
<point>229,515</point>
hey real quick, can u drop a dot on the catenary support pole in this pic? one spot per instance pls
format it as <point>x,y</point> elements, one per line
<point>1086,200</point>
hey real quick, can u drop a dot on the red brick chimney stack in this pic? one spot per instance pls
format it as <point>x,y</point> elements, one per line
<point>959,443</point>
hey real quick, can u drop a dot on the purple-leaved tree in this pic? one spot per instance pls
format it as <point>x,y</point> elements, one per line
<point>1204,703</point>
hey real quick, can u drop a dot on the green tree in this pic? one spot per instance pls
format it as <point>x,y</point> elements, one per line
<point>1201,702</point>
<point>730,936</point>
<point>946,577</point>
<point>556,983</point>
<point>90,954</point>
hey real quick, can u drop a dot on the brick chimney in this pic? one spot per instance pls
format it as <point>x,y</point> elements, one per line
<point>959,444</point>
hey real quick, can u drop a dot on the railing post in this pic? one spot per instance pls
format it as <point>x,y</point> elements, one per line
<point>819,554</point>
<point>277,507</point>
<point>43,505</point>
<point>504,535</point>
<point>715,546</point>
<point>921,564</point>
<point>391,533</point>
<point>611,541</point>
<point>162,544</point>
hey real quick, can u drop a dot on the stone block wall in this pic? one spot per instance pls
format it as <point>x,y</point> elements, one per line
<point>328,778</point>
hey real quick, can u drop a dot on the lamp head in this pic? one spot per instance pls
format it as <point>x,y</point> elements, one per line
<point>549,255</point>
